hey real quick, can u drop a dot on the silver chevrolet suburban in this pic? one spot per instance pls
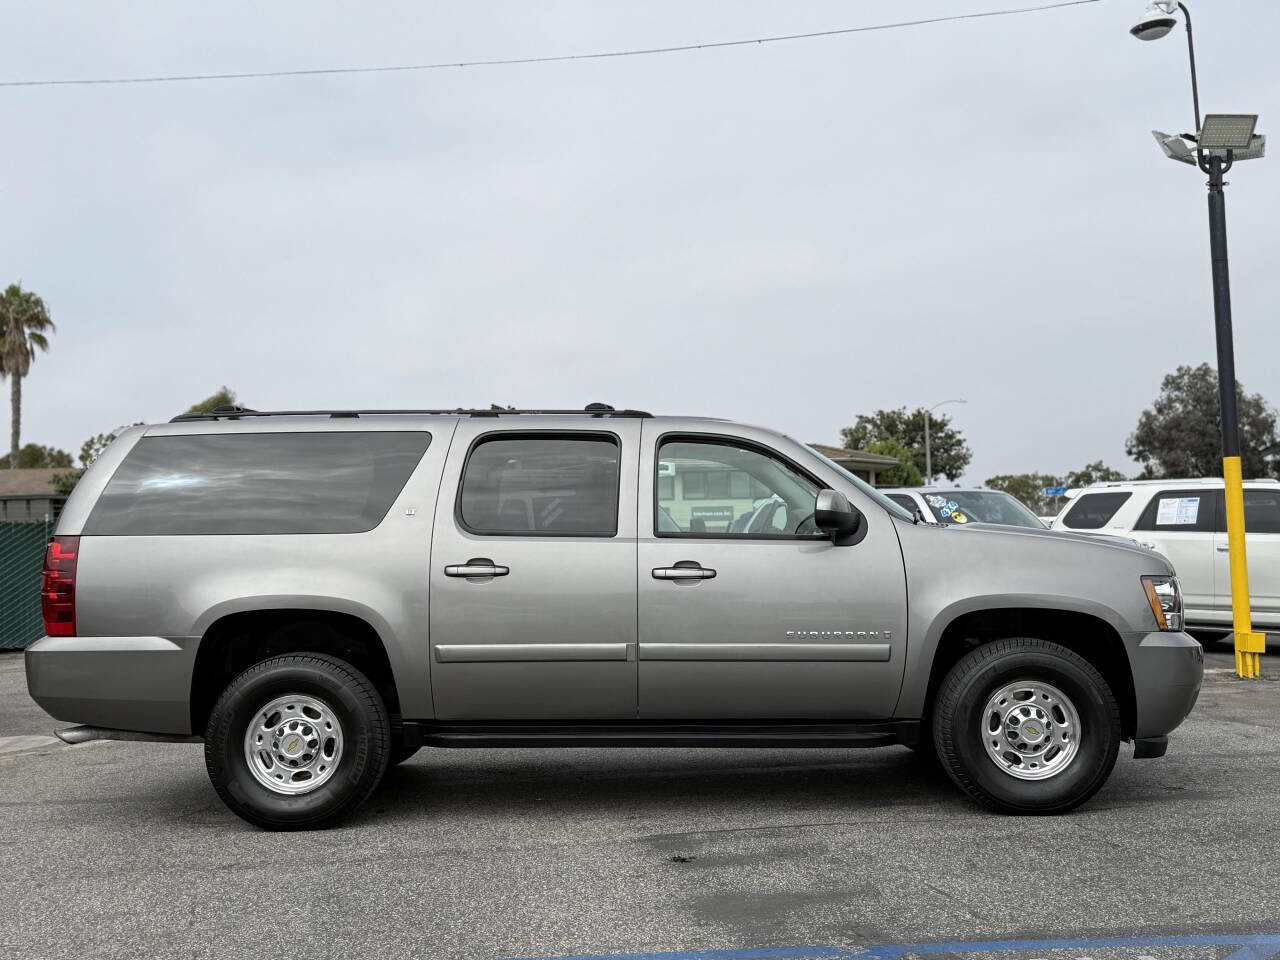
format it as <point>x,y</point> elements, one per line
<point>317,594</point>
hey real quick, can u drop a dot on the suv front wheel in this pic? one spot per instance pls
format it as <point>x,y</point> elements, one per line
<point>297,742</point>
<point>1023,725</point>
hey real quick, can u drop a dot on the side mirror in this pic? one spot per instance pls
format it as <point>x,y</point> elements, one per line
<point>836,516</point>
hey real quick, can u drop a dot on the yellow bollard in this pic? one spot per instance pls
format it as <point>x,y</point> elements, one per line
<point>1249,645</point>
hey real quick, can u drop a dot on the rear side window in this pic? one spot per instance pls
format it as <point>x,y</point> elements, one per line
<point>257,483</point>
<point>1093,511</point>
<point>1261,511</point>
<point>1182,511</point>
<point>541,485</point>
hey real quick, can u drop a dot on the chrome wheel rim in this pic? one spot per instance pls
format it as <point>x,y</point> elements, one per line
<point>293,744</point>
<point>1031,730</point>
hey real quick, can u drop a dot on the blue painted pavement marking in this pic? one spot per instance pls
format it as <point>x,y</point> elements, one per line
<point>1254,947</point>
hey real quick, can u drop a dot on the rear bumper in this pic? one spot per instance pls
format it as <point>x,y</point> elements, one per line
<point>1168,669</point>
<point>125,683</point>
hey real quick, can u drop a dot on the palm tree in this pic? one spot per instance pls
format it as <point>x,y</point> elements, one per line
<point>24,319</point>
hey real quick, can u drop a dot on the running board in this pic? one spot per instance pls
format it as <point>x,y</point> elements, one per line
<point>84,734</point>
<point>660,734</point>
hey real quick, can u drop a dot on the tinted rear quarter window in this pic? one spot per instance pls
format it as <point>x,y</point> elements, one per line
<point>1092,511</point>
<point>257,483</point>
<point>541,485</point>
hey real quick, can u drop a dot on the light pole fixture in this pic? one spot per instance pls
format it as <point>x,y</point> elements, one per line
<point>928,455</point>
<point>1217,144</point>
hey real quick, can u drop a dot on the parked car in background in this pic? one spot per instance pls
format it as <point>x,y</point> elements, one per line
<point>318,595</point>
<point>1185,520</point>
<point>961,506</point>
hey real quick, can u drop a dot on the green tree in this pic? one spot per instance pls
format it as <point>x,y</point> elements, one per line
<point>222,398</point>
<point>1028,488</point>
<point>24,321</point>
<point>906,474</point>
<point>33,456</point>
<point>92,448</point>
<point>1096,472</point>
<point>949,452</point>
<point>1180,436</point>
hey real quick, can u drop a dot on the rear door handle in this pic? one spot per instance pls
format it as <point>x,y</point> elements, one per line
<point>688,570</point>
<point>475,568</point>
<point>1222,547</point>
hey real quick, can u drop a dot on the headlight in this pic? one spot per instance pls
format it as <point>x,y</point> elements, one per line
<point>1166,601</point>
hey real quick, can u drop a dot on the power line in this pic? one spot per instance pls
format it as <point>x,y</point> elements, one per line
<point>647,51</point>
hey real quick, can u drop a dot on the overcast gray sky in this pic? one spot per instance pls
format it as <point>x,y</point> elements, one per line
<point>786,234</point>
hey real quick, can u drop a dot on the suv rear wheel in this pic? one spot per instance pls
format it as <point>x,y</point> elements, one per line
<point>1026,726</point>
<point>297,742</point>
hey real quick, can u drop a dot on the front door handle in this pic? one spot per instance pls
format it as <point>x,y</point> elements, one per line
<point>684,571</point>
<point>476,568</point>
<point>1222,547</point>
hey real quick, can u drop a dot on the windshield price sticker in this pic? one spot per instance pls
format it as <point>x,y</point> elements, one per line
<point>1178,511</point>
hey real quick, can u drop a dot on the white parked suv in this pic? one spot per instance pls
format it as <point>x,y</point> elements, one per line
<point>1186,521</point>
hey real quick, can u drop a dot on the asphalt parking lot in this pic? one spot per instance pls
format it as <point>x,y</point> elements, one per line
<point>123,850</point>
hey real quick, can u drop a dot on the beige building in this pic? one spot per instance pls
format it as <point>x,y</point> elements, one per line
<point>861,464</point>
<point>29,495</point>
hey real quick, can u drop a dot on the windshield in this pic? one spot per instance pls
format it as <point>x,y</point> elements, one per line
<point>866,488</point>
<point>980,506</point>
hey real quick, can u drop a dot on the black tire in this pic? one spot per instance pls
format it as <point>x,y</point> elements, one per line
<point>400,753</point>
<point>958,723</point>
<point>365,729</point>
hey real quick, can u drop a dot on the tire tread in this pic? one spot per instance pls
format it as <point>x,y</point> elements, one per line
<point>217,732</point>
<point>953,687</point>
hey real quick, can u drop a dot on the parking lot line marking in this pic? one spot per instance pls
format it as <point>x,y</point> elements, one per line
<point>1258,947</point>
<point>759,953</point>
<point>1249,947</point>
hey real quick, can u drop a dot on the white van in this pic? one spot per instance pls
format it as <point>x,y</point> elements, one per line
<point>1186,521</point>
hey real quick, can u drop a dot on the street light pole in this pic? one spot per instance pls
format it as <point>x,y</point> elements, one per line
<point>1191,53</point>
<point>1218,141</point>
<point>928,455</point>
<point>1248,645</point>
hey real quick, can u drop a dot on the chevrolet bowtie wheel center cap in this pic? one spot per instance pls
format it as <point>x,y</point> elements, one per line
<point>293,744</point>
<point>1030,730</point>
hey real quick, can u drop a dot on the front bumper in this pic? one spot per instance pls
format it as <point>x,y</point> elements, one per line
<point>125,683</point>
<point>1168,669</point>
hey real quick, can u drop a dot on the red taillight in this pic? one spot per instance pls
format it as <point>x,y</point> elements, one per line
<point>58,592</point>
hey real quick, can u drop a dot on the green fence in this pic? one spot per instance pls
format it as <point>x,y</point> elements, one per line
<point>22,547</point>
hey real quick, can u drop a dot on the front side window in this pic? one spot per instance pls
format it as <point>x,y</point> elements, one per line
<point>1093,511</point>
<point>257,483</point>
<point>721,489</point>
<point>1181,511</point>
<point>541,485</point>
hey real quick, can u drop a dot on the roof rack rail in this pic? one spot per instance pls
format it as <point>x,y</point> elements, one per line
<point>243,413</point>
<point>1167,481</point>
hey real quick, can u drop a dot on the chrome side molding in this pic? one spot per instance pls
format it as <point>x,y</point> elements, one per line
<point>516,652</point>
